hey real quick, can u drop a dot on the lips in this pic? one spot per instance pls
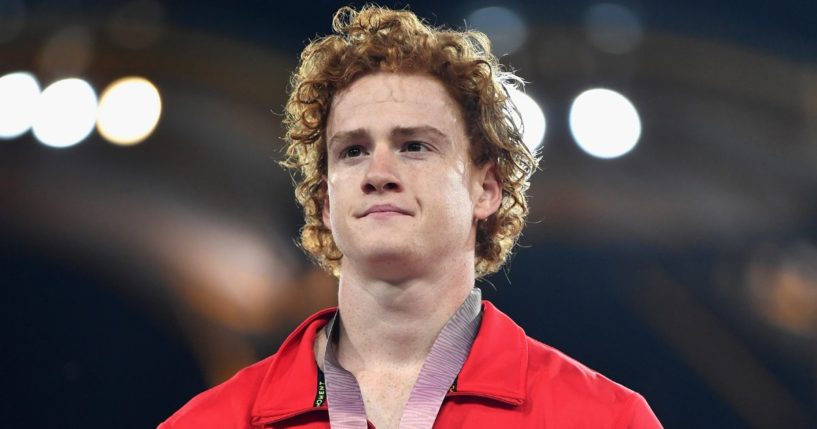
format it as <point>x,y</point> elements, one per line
<point>385,209</point>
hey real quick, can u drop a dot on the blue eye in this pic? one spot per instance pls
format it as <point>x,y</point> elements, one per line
<point>415,146</point>
<point>352,152</point>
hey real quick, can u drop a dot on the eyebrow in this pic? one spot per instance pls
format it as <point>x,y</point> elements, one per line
<point>413,131</point>
<point>347,136</point>
<point>396,132</point>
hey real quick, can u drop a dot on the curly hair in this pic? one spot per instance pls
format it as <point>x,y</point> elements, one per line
<point>376,39</point>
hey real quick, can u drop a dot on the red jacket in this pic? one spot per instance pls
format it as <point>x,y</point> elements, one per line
<point>508,381</point>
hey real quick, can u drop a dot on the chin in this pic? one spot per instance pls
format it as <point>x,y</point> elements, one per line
<point>382,254</point>
<point>388,254</point>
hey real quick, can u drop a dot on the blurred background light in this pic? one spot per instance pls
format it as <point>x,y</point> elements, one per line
<point>66,113</point>
<point>12,19</point>
<point>782,284</point>
<point>67,53</point>
<point>504,27</point>
<point>19,93</point>
<point>137,24</point>
<point>604,123</point>
<point>613,28</point>
<point>532,116</point>
<point>129,110</point>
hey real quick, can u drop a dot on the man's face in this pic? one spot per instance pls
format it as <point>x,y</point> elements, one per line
<point>402,190</point>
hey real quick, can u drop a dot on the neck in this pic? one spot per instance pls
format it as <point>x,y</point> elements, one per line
<point>394,324</point>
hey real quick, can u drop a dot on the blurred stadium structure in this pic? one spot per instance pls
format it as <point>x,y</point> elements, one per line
<point>135,276</point>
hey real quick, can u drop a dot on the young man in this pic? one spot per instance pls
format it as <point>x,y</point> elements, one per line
<point>412,179</point>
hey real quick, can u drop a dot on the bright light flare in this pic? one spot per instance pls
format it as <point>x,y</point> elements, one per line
<point>604,123</point>
<point>533,118</point>
<point>66,113</point>
<point>19,93</point>
<point>129,110</point>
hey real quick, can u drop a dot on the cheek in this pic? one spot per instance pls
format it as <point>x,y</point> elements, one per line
<point>453,195</point>
<point>330,206</point>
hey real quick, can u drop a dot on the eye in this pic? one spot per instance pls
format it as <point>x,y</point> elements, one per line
<point>415,146</point>
<point>352,152</point>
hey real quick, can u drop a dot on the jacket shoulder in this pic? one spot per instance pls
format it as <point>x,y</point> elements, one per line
<point>555,368</point>
<point>576,389</point>
<point>228,404</point>
<point>233,403</point>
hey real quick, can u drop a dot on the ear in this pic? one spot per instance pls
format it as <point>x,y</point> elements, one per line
<point>489,191</point>
<point>325,204</point>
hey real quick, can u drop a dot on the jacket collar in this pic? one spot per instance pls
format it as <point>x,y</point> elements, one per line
<point>496,368</point>
<point>289,387</point>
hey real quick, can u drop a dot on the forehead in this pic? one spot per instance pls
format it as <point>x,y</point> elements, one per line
<point>394,100</point>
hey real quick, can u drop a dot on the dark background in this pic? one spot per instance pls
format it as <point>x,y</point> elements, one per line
<point>135,277</point>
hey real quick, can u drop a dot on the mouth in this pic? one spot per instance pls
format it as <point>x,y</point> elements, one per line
<point>385,210</point>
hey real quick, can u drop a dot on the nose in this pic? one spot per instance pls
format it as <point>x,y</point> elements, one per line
<point>381,172</point>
